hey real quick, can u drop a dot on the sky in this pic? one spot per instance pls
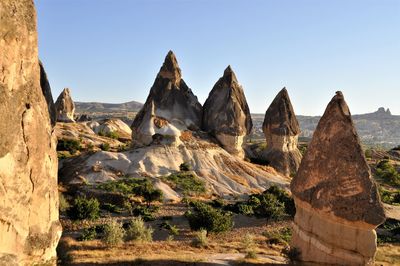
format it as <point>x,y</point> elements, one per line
<point>111,50</point>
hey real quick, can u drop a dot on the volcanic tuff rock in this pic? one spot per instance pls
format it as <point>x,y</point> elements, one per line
<point>170,108</point>
<point>337,202</point>
<point>281,131</point>
<point>226,114</point>
<point>112,125</point>
<point>46,89</point>
<point>65,107</point>
<point>29,225</point>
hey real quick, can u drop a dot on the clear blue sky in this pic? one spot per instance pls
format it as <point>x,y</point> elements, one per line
<point>111,50</point>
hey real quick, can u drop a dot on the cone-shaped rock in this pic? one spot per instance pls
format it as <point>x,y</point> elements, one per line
<point>46,89</point>
<point>170,108</point>
<point>281,131</point>
<point>226,114</point>
<point>65,107</point>
<point>29,225</point>
<point>337,202</point>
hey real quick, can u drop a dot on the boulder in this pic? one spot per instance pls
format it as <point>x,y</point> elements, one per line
<point>226,114</point>
<point>281,130</point>
<point>46,89</point>
<point>29,224</point>
<point>112,125</point>
<point>337,202</point>
<point>170,108</point>
<point>65,107</point>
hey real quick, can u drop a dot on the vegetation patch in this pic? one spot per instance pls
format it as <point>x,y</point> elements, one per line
<point>389,197</point>
<point>387,173</point>
<point>186,182</point>
<point>203,216</point>
<point>274,204</point>
<point>84,208</point>
<point>279,237</point>
<point>390,232</point>
<point>70,145</point>
<point>137,231</point>
<point>113,233</point>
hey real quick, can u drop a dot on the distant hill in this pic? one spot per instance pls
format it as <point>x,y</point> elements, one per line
<point>91,107</point>
<point>379,128</point>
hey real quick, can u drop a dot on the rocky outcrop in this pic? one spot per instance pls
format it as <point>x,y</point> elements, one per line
<point>65,107</point>
<point>110,126</point>
<point>29,225</point>
<point>170,108</point>
<point>226,114</point>
<point>46,89</point>
<point>337,202</point>
<point>281,131</point>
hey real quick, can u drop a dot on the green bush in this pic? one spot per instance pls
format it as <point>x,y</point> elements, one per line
<point>84,209</point>
<point>185,167</point>
<point>281,236</point>
<point>274,204</point>
<point>88,234</point>
<point>112,135</point>
<point>111,208</point>
<point>70,145</point>
<point>249,246</point>
<point>203,216</point>
<point>387,172</point>
<point>173,229</point>
<point>137,231</point>
<point>186,182</point>
<point>389,197</point>
<point>113,233</point>
<point>146,212</point>
<point>105,147</point>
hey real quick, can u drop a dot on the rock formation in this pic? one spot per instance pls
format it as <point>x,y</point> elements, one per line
<point>226,114</point>
<point>46,89</point>
<point>337,202</point>
<point>281,131</point>
<point>112,125</point>
<point>29,225</point>
<point>65,107</point>
<point>170,108</point>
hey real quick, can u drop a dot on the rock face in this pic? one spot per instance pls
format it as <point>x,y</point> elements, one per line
<point>226,114</point>
<point>65,107</point>
<point>46,89</point>
<point>112,125</point>
<point>170,108</point>
<point>337,202</point>
<point>29,225</point>
<point>281,131</point>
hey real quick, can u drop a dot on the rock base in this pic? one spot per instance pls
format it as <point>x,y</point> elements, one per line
<point>323,238</point>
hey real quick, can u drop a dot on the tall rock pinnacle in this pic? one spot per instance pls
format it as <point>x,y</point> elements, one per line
<point>226,114</point>
<point>337,202</point>
<point>29,225</point>
<point>281,131</point>
<point>171,106</point>
<point>65,107</point>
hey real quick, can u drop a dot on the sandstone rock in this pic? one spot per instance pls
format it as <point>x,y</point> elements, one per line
<point>337,202</point>
<point>29,225</point>
<point>170,108</point>
<point>281,131</point>
<point>226,114</point>
<point>46,89</point>
<point>113,125</point>
<point>65,107</point>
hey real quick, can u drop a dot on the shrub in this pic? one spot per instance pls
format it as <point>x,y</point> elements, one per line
<point>137,231</point>
<point>88,234</point>
<point>113,233</point>
<point>111,208</point>
<point>173,230</point>
<point>281,236</point>
<point>203,216</point>
<point>389,197</point>
<point>249,246</point>
<point>63,203</point>
<point>84,209</point>
<point>185,167</point>
<point>200,240</point>
<point>147,213</point>
<point>387,172</point>
<point>105,147</point>
<point>186,182</point>
<point>112,135</point>
<point>70,145</point>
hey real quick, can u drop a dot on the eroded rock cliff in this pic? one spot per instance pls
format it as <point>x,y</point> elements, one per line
<point>29,226</point>
<point>65,107</point>
<point>281,131</point>
<point>170,108</point>
<point>337,202</point>
<point>226,114</point>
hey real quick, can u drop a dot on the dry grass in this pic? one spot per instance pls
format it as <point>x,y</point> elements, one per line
<point>388,255</point>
